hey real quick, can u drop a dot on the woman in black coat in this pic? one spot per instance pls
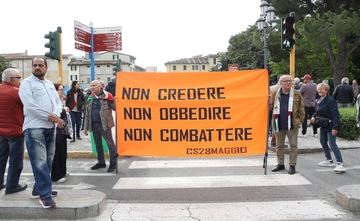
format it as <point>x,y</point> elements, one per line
<point>327,107</point>
<point>74,101</point>
<point>58,170</point>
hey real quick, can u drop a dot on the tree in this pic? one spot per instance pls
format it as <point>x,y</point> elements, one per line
<point>3,65</point>
<point>328,25</point>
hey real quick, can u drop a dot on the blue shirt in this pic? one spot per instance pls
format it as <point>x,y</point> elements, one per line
<point>40,99</point>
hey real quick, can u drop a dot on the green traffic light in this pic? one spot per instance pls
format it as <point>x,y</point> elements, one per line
<point>53,45</point>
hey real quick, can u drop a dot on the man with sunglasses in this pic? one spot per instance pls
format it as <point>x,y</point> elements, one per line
<point>11,135</point>
<point>42,108</point>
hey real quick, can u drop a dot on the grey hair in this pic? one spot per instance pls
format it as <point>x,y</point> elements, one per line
<point>296,80</point>
<point>325,85</point>
<point>283,76</point>
<point>8,74</point>
<point>345,80</point>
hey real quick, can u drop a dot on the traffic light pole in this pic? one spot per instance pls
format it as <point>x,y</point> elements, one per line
<point>60,61</point>
<point>292,52</point>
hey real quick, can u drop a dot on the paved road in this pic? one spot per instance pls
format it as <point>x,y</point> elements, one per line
<point>150,188</point>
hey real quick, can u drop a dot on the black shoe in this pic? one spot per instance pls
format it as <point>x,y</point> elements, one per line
<point>71,141</point>
<point>97,166</point>
<point>2,187</point>
<point>79,138</point>
<point>17,189</point>
<point>111,167</point>
<point>278,168</point>
<point>291,170</point>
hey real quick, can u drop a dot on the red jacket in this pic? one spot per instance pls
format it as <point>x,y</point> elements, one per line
<point>11,111</point>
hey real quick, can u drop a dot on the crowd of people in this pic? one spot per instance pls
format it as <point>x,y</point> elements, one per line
<point>39,114</point>
<point>293,102</point>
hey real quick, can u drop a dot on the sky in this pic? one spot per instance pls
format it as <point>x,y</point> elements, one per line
<point>153,31</point>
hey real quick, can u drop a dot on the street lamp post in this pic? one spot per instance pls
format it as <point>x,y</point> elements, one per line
<point>267,16</point>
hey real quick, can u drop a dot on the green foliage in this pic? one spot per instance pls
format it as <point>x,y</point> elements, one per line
<point>3,65</point>
<point>348,130</point>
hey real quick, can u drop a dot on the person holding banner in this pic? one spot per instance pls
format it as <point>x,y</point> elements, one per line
<point>287,115</point>
<point>99,120</point>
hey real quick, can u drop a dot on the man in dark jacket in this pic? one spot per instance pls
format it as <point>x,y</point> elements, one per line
<point>111,86</point>
<point>344,94</point>
<point>11,135</point>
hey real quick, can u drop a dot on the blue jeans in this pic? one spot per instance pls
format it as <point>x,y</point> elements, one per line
<point>12,148</point>
<point>76,123</point>
<point>326,140</point>
<point>40,143</point>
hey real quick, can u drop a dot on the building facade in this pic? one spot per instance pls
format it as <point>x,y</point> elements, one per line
<point>22,62</point>
<point>196,63</point>
<point>80,70</point>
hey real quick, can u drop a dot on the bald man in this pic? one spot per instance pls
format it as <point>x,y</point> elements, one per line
<point>99,120</point>
<point>11,135</point>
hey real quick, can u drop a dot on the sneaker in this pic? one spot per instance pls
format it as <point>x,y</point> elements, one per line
<point>327,163</point>
<point>340,167</point>
<point>315,135</point>
<point>47,203</point>
<point>35,194</point>
<point>61,180</point>
<point>97,166</point>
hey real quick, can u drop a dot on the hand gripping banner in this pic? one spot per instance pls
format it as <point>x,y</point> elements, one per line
<point>192,114</point>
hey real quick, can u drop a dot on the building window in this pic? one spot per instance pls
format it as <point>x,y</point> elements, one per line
<point>73,77</point>
<point>97,66</point>
<point>214,60</point>
<point>73,68</point>
<point>203,67</point>
<point>88,80</point>
<point>184,67</point>
<point>88,66</point>
<point>108,79</point>
<point>174,67</point>
<point>108,66</point>
<point>115,56</point>
<point>195,67</point>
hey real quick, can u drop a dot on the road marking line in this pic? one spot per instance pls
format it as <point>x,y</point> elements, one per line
<point>249,211</point>
<point>79,174</point>
<point>210,181</point>
<point>163,164</point>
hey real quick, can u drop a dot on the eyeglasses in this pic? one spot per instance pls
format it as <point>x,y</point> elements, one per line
<point>40,65</point>
<point>18,77</point>
<point>287,81</point>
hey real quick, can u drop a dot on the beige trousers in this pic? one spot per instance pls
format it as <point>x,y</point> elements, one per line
<point>280,142</point>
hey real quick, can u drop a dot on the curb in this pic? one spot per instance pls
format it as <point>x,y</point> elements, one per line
<point>349,197</point>
<point>70,205</point>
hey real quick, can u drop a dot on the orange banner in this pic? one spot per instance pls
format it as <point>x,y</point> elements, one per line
<point>198,114</point>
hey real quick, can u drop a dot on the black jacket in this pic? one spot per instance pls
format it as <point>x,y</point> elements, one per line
<point>344,94</point>
<point>328,108</point>
<point>111,88</point>
<point>80,100</point>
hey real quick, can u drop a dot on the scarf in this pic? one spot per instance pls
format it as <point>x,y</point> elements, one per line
<point>276,111</point>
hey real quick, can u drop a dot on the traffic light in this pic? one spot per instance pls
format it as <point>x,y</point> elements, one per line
<point>287,32</point>
<point>117,66</point>
<point>54,44</point>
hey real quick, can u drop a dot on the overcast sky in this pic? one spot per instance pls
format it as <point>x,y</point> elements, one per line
<point>154,31</point>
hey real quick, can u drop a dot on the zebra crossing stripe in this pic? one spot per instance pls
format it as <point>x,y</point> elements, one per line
<point>164,164</point>
<point>249,211</point>
<point>210,181</point>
